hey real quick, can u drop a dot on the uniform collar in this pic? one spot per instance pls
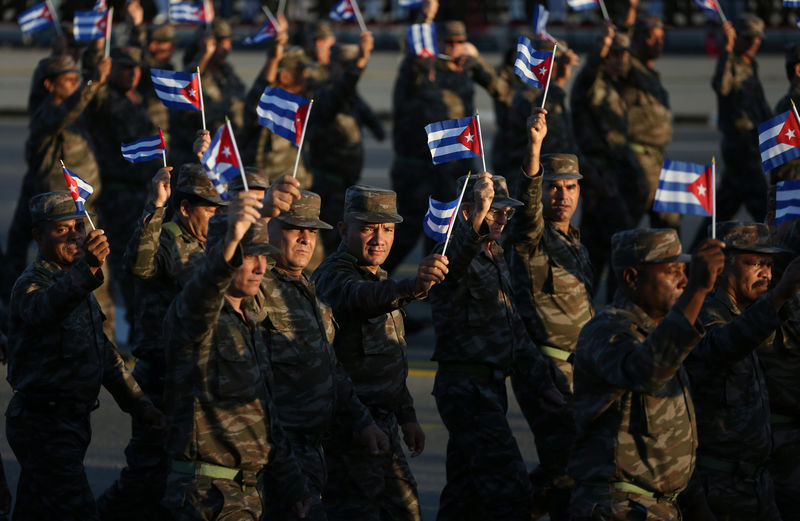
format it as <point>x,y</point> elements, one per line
<point>345,253</point>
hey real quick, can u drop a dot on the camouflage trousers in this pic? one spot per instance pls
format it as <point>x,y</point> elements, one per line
<point>137,494</point>
<point>311,459</point>
<point>486,476</point>
<point>368,488</point>
<point>650,160</point>
<point>734,496</point>
<point>50,449</point>
<point>201,498</point>
<point>784,466</point>
<point>603,503</point>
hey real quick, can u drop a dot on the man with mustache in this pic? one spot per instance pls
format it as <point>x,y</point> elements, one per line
<point>741,316</point>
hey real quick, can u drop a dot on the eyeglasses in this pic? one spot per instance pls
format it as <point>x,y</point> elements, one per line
<point>508,213</point>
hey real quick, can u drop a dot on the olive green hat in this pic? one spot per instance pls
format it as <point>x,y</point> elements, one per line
<point>294,58</point>
<point>129,56</point>
<point>746,237</point>
<point>254,242</point>
<point>59,65</point>
<point>646,246</point>
<point>192,179</point>
<point>161,33</point>
<point>560,166</point>
<point>454,29</point>
<point>305,212</point>
<point>323,29</point>
<point>371,204</point>
<point>501,196</point>
<point>53,206</point>
<point>256,178</point>
<point>222,28</point>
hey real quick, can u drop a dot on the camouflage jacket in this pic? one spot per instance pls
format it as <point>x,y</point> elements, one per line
<point>310,384</point>
<point>632,401</point>
<point>728,384</point>
<point>552,275</point>
<point>56,345</point>
<point>789,170</point>
<point>474,315</point>
<point>162,258</point>
<point>370,340</point>
<point>219,389</point>
<point>648,113</point>
<point>741,104</point>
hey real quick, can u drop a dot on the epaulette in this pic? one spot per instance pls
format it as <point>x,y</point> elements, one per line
<point>173,230</point>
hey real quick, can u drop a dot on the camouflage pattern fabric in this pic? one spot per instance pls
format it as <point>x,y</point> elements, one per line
<point>635,417</point>
<point>310,457</point>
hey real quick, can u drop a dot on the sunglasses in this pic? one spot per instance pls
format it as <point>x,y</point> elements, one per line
<point>508,213</point>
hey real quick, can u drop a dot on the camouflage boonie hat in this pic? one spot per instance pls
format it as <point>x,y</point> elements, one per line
<point>254,242</point>
<point>344,52</point>
<point>222,28</point>
<point>501,197</point>
<point>621,42</point>
<point>129,56</point>
<point>53,206</point>
<point>371,204</point>
<point>59,65</point>
<point>454,29</point>
<point>323,29</point>
<point>750,25</point>
<point>746,237</point>
<point>294,58</point>
<point>256,178</point>
<point>560,166</point>
<point>305,212</point>
<point>646,246</point>
<point>161,33</point>
<point>193,180</point>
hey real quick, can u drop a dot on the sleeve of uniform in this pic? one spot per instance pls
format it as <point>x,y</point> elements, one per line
<point>52,120</point>
<point>613,354</point>
<point>120,383</point>
<point>464,245</point>
<point>496,86</point>
<point>350,295</point>
<point>723,81</point>
<point>528,227</point>
<point>329,101</point>
<point>405,411</point>
<point>368,117</point>
<point>140,254</point>
<point>731,341</point>
<point>40,304</point>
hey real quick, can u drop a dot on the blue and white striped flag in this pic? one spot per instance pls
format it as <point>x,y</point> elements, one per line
<point>144,149</point>
<point>221,160</point>
<point>454,139</point>
<point>36,18</point>
<point>89,25</point>
<point>422,40</point>
<point>343,11</point>
<point>283,113</point>
<point>580,5</point>
<point>100,5</point>
<point>187,12</point>
<point>439,218</point>
<point>787,201</point>
<point>267,31</point>
<point>79,189</point>
<point>709,7</point>
<point>791,3</point>
<point>531,65</point>
<point>409,4</point>
<point>684,188</point>
<point>539,22</point>
<point>177,90</point>
<point>775,150</point>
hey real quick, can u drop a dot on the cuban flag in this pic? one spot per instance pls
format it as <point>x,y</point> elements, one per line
<point>422,40</point>
<point>177,90</point>
<point>531,65</point>
<point>79,189</point>
<point>778,140</point>
<point>409,4</point>
<point>187,12</point>
<point>344,10</point>
<point>100,5</point>
<point>267,31</point>
<point>580,5</point>
<point>283,113</point>
<point>221,160</point>
<point>684,188</point>
<point>709,7</point>
<point>144,149</point>
<point>36,18</point>
<point>453,139</point>
<point>89,25</point>
<point>791,3</point>
<point>439,218</point>
<point>539,22</point>
<point>787,201</point>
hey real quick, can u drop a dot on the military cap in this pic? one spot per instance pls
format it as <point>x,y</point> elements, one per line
<point>746,237</point>
<point>256,178</point>
<point>222,28</point>
<point>161,33</point>
<point>343,52</point>
<point>749,25</point>
<point>294,58</point>
<point>621,42</point>
<point>645,24</point>
<point>646,246</point>
<point>59,65</point>
<point>455,29</point>
<point>501,197</point>
<point>305,212</point>
<point>371,204</point>
<point>129,56</point>
<point>193,180</point>
<point>323,29</point>
<point>560,166</point>
<point>53,206</point>
<point>254,242</point>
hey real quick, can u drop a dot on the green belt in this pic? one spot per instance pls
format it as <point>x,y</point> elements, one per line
<point>557,353</point>
<point>780,419</point>
<point>635,489</point>
<point>640,148</point>
<point>208,470</point>
<point>474,369</point>
<point>716,464</point>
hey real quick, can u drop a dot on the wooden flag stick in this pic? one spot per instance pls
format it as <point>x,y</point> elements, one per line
<point>450,226</point>
<point>302,138</point>
<point>359,18</point>
<point>200,91</point>
<point>108,31</point>
<point>480,137</point>
<point>85,211</point>
<point>236,151</point>
<point>550,72</point>
<point>605,12</point>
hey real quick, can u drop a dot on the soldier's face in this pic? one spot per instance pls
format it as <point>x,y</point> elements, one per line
<point>747,276</point>
<point>656,287</point>
<point>653,45</point>
<point>296,245</point>
<point>195,218</point>
<point>125,77</point>
<point>497,219</point>
<point>63,86</point>
<point>455,47</point>
<point>747,45</point>
<point>370,243</point>
<point>61,241</point>
<point>322,48</point>
<point>248,277</point>
<point>560,199</point>
<point>161,51</point>
<point>224,46</point>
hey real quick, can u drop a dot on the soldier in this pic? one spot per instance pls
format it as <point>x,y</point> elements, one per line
<point>502,108</point>
<point>311,387</point>
<point>741,316</point>
<point>320,50</point>
<point>370,344</point>
<point>162,257</point>
<point>224,429</point>
<point>63,43</point>
<point>637,438</point>
<point>58,358</point>
<point>791,169</point>
<point>551,271</point>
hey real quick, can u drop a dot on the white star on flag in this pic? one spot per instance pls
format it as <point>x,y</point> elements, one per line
<point>191,93</point>
<point>226,151</point>
<point>469,137</point>
<point>542,70</point>
<point>790,134</point>
<point>73,189</point>
<point>701,189</point>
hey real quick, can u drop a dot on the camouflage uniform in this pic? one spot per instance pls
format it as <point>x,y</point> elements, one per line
<point>162,257</point>
<point>58,358</point>
<point>553,277</point>
<point>637,436</point>
<point>224,428</point>
<point>370,344</point>
<point>480,339</point>
<point>730,395</point>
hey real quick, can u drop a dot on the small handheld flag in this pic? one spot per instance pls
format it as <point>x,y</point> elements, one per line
<point>100,5</point>
<point>453,139</point>
<point>36,18</point>
<point>187,12</point>
<point>221,160</point>
<point>531,65</point>
<point>89,25</point>
<point>177,90</point>
<point>787,201</point>
<point>143,149</point>
<point>778,140</point>
<point>409,4</point>
<point>302,137</point>
<point>283,113</point>
<point>267,31</point>
<point>539,22</point>
<point>580,5</point>
<point>711,8</point>
<point>791,3</point>
<point>439,218</point>
<point>347,10</point>
<point>684,188</point>
<point>79,189</point>
<point>422,40</point>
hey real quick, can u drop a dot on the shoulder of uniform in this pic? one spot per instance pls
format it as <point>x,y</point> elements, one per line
<point>172,229</point>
